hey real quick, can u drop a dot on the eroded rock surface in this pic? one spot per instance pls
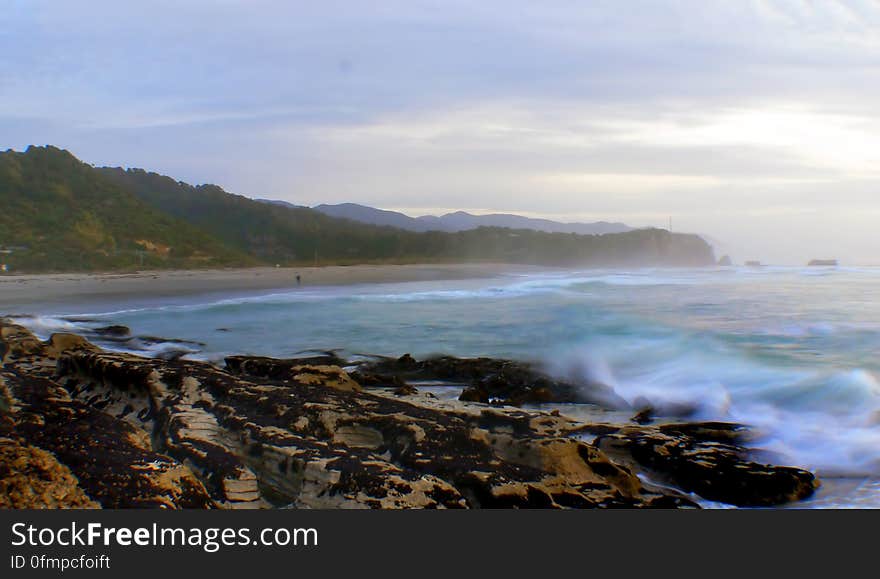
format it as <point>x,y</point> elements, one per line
<point>260,433</point>
<point>31,478</point>
<point>111,460</point>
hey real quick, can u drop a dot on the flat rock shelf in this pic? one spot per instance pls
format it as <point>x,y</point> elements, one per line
<point>81,427</point>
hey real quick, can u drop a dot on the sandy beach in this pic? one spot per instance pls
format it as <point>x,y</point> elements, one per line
<point>19,291</point>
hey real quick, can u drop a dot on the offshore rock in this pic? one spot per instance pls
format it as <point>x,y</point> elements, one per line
<point>116,331</point>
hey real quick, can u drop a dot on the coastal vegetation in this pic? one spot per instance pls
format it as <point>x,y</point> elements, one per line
<point>60,214</point>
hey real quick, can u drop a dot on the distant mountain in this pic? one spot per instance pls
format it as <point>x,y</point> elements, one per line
<point>282,203</point>
<point>373,216</point>
<point>462,221</point>
<point>60,214</point>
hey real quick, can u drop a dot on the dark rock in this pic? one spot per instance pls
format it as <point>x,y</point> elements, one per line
<point>406,390</point>
<point>669,410</point>
<point>726,432</point>
<point>491,380</point>
<point>708,460</point>
<point>369,380</point>
<point>474,394</point>
<point>406,362</point>
<point>323,358</point>
<point>152,340</point>
<point>276,368</point>
<point>644,416</point>
<point>114,331</point>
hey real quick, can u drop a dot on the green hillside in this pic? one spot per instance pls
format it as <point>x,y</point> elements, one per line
<point>59,214</point>
<point>294,235</point>
<point>273,233</point>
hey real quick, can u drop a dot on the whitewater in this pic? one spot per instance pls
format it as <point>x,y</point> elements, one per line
<point>791,352</point>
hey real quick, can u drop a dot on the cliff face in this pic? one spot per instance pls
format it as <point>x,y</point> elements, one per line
<point>656,247</point>
<point>118,430</point>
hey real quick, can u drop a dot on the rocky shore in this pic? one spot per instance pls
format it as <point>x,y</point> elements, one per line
<point>81,427</point>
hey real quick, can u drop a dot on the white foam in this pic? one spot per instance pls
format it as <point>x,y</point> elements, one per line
<point>44,326</point>
<point>824,420</point>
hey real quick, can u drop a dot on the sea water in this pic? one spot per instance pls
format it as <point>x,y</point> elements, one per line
<point>792,352</point>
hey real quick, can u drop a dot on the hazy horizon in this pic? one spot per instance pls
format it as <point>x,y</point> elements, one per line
<point>753,123</point>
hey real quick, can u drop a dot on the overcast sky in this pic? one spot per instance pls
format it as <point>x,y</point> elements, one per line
<point>756,122</point>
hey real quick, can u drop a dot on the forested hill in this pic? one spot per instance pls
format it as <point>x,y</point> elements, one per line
<point>62,214</point>
<point>59,214</point>
<point>279,233</point>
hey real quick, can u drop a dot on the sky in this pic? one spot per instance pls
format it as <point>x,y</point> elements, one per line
<point>754,122</point>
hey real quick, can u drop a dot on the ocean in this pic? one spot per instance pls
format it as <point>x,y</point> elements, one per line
<point>792,352</point>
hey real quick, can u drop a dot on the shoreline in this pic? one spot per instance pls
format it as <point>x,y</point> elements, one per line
<point>86,288</point>
<point>318,432</point>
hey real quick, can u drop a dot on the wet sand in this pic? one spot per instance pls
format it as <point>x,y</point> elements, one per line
<point>17,292</point>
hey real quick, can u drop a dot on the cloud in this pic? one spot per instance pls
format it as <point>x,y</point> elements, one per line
<point>731,115</point>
